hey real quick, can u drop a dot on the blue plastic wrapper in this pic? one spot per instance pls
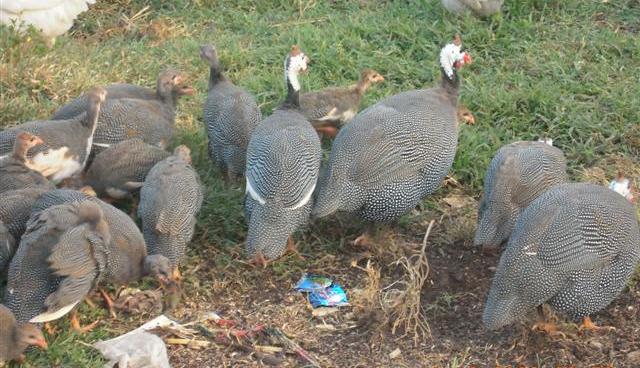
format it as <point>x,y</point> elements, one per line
<point>309,283</point>
<point>322,291</point>
<point>333,296</point>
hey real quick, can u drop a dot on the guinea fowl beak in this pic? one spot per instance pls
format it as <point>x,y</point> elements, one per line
<point>186,90</point>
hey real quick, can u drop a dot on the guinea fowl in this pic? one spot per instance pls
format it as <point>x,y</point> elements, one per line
<point>230,115</point>
<point>14,174</point>
<point>150,120</point>
<point>115,91</point>
<point>283,160</point>
<point>15,209</point>
<point>15,338</point>
<point>128,258</point>
<point>330,108</point>
<point>67,143</point>
<point>394,153</point>
<point>170,199</point>
<point>480,8</point>
<point>574,248</point>
<point>517,175</point>
<point>121,169</point>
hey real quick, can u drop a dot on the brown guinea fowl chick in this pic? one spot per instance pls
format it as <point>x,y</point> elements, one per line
<point>15,337</point>
<point>330,108</point>
<point>121,169</point>
<point>14,173</point>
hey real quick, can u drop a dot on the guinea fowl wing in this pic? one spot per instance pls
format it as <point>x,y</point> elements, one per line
<point>328,104</point>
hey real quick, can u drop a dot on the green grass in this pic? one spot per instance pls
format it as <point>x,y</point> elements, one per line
<point>568,69</point>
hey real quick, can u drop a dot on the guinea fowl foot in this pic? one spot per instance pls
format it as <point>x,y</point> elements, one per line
<point>550,329</point>
<point>51,329</point>
<point>363,240</point>
<point>176,275</point>
<point>109,301</point>
<point>328,131</point>
<point>260,260</point>
<point>587,324</point>
<point>75,324</point>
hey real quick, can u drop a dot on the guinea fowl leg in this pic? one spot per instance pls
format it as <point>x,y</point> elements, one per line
<point>75,323</point>
<point>51,329</point>
<point>587,324</point>
<point>260,260</point>
<point>291,248</point>
<point>176,275</point>
<point>109,301</point>
<point>549,328</point>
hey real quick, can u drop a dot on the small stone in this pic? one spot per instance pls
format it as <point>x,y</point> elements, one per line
<point>326,327</point>
<point>321,312</point>
<point>394,354</point>
<point>596,344</point>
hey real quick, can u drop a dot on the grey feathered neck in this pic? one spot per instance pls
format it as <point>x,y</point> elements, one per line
<point>293,97</point>
<point>451,85</point>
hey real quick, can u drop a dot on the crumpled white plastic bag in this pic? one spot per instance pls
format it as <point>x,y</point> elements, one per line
<point>137,348</point>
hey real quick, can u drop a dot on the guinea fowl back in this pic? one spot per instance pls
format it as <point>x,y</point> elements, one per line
<point>574,247</point>
<point>114,91</point>
<point>516,176</point>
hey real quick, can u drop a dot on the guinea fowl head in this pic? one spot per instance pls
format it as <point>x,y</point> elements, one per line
<point>30,335</point>
<point>170,86</point>
<point>464,115</point>
<point>210,54</point>
<point>183,153</point>
<point>23,143</point>
<point>453,58</point>
<point>295,63</point>
<point>367,78</point>
<point>158,267</point>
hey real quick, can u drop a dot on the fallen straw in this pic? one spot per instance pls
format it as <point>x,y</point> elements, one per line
<point>292,345</point>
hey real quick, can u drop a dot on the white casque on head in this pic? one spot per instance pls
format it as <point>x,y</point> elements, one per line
<point>294,64</point>
<point>449,55</point>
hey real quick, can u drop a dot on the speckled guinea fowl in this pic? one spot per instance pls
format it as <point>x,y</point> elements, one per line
<point>574,248</point>
<point>230,115</point>
<point>114,91</point>
<point>67,143</point>
<point>14,173</point>
<point>121,169</point>
<point>122,258</point>
<point>61,257</point>
<point>283,160</point>
<point>150,120</point>
<point>170,199</point>
<point>480,8</point>
<point>330,108</point>
<point>517,175</point>
<point>16,337</point>
<point>15,209</point>
<point>394,153</point>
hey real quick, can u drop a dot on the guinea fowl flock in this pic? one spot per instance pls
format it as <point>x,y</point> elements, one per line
<point>570,245</point>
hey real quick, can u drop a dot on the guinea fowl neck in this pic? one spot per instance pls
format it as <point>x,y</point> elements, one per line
<point>451,85</point>
<point>20,150</point>
<point>215,73</point>
<point>362,86</point>
<point>93,113</point>
<point>293,91</point>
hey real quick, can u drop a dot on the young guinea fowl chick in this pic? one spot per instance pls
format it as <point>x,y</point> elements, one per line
<point>480,8</point>
<point>15,338</point>
<point>121,169</point>
<point>394,153</point>
<point>15,209</point>
<point>150,120</point>
<point>230,115</point>
<point>330,108</point>
<point>574,248</point>
<point>283,160</point>
<point>516,176</point>
<point>170,199</point>
<point>67,143</point>
<point>128,258</point>
<point>14,174</point>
